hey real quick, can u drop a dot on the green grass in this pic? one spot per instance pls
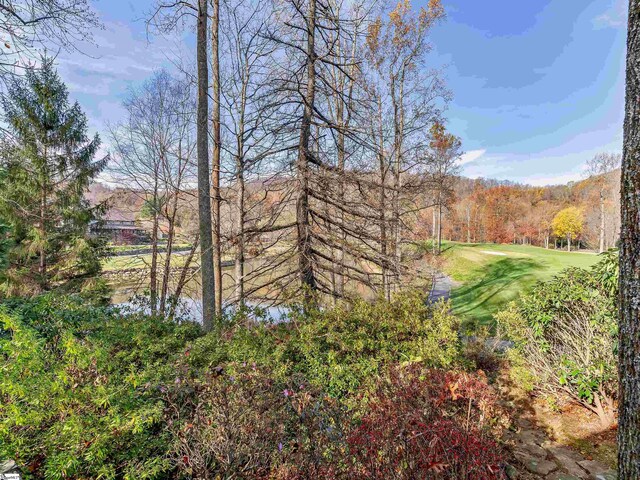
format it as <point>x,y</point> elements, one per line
<point>135,262</point>
<point>491,275</point>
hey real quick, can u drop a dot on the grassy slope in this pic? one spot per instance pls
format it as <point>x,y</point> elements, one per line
<point>489,281</point>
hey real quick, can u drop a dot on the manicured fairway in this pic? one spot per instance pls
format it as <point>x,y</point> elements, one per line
<point>491,275</point>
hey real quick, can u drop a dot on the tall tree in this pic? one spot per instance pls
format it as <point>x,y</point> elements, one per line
<point>445,151</point>
<point>167,16</point>
<point>600,166</point>
<point>217,148</point>
<point>409,93</point>
<point>153,149</point>
<point>49,162</point>
<point>629,324</point>
<point>204,186</point>
<point>248,139</point>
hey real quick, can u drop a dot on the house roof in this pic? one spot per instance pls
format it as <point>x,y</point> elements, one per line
<point>117,215</point>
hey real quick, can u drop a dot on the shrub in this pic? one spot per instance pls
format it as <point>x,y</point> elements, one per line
<point>565,333</point>
<point>428,424</point>
<point>238,422</point>
<point>78,396</point>
<point>342,348</point>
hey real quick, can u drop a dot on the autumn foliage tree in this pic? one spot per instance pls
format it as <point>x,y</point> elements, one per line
<point>568,223</point>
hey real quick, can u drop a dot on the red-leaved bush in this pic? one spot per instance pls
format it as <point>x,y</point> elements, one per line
<point>428,424</point>
<point>418,423</point>
<point>239,422</point>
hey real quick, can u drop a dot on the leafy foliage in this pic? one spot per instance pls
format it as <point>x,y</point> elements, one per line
<point>568,222</point>
<point>566,336</point>
<point>428,424</point>
<point>342,348</point>
<point>78,389</point>
<point>47,165</point>
<point>87,391</point>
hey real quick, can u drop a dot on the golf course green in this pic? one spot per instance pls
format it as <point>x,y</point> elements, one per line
<point>490,275</point>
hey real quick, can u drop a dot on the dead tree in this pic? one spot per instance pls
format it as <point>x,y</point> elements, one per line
<point>251,139</point>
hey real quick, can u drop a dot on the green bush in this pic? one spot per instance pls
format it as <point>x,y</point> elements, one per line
<point>342,348</point>
<point>79,389</point>
<point>87,391</point>
<point>565,333</point>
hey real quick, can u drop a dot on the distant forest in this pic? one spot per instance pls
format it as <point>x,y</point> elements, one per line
<point>475,210</point>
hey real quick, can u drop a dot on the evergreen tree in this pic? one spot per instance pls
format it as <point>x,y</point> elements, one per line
<point>48,163</point>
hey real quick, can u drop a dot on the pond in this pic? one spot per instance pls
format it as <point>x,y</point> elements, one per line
<point>124,289</point>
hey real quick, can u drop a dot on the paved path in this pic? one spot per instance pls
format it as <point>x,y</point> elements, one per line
<point>441,288</point>
<point>544,459</point>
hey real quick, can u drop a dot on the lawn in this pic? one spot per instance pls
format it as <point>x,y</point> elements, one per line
<point>491,275</point>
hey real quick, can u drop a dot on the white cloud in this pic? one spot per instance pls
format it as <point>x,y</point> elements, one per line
<point>614,17</point>
<point>471,156</point>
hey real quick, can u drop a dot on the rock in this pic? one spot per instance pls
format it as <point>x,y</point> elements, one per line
<point>532,449</point>
<point>566,452</point>
<point>511,472</point>
<point>523,423</point>
<point>592,467</point>
<point>509,436</point>
<point>7,466</point>
<point>608,475</point>
<point>531,437</point>
<point>562,476</point>
<point>568,460</point>
<point>536,465</point>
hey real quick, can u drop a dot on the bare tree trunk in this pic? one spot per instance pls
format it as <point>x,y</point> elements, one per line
<point>240,246</point>
<point>153,274</point>
<point>166,274</point>
<point>217,145</point>
<point>204,187</point>
<point>629,325</point>
<point>182,280</point>
<point>602,222</point>
<point>398,125</point>
<point>383,204</point>
<point>568,243</point>
<point>240,205</point>
<point>305,265</point>
<point>439,227</point>
<point>341,196</point>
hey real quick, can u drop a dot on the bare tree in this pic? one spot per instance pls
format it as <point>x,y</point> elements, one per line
<point>445,152</point>
<point>600,166</point>
<point>629,325</point>
<point>215,160</point>
<point>167,16</point>
<point>249,125</point>
<point>29,26</point>
<point>153,154</point>
<point>406,97</point>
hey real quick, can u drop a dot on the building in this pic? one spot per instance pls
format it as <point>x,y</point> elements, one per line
<point>121,228</point>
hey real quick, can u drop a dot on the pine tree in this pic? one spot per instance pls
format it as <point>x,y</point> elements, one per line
<point>48,162</point>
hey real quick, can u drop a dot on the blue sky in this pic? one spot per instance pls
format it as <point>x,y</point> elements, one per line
<point>538,85</point>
